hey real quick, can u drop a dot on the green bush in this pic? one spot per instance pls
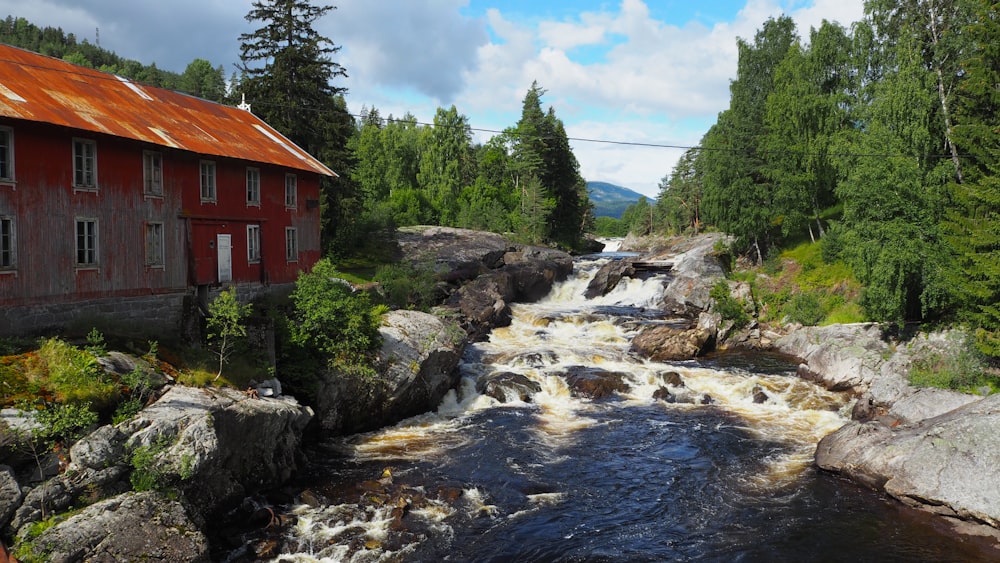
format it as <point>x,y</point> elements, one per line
<point>331,319</point>
<point>727,305</point>
<point>74,375</point>
<point>407,287</point>
<point>961,369</point>
<point>805,308</point>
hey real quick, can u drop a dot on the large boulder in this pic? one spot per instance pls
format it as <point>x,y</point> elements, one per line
<point>416,368</point>
<point>485,272</point>
<point>131,527</point>
<point>841,357</point>
<point>696,269</point>
<point>455,253</point>
<point>666,343</point>
<point>608,277</point>
<point>948,464</point>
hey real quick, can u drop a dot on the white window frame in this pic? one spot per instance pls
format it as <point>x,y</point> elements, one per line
<point>155,254</point>
<point>253,187</point>
<point>291,191</point>
<point>89,252</point>
<point>7,155</point>
<point>152,173</point>
<point>253,244</point>
<point>207,173</point>
<point>291,244</point>
<point>8,244</point>
<point>84,165</point>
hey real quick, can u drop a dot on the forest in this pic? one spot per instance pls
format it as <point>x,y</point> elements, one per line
<point>880,142</point>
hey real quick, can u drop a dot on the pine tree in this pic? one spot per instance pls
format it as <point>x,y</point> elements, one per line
<point>975,225</point>
<point>287,71</point>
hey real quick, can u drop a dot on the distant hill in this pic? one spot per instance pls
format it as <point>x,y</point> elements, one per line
<point>610,200</point>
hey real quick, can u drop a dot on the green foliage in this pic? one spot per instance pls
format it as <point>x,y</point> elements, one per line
<point>63,422</point>
<point>147,472</point>
<point>137,389</point>
<point>73,375</point>
<point>961,368</point>
<point>610,227</point>
<point>727,305</point>
<point>332,320</point>
<point>95,343</point>
<point>805,309</point>
<point>226,329</point>
<point>407,287</point>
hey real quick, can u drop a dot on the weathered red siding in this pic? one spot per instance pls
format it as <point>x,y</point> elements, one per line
<point>45,207</point>
<point>46,103</point>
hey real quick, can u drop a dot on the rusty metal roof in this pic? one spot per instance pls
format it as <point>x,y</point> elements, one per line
<point>39,88</point>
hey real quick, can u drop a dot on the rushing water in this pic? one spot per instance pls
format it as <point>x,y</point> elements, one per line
<point>631,478</point>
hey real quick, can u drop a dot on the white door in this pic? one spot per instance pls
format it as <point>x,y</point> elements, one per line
<point>225,246</point>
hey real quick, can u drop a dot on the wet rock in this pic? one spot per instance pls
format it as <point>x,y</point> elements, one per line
<point>608,277</point>
<point>759,396</point>
<point>156,529</point>
<point>673,378</point>
<point>707,399</point>
<point>506,386</point>
<point>664,394</point>
<point>595,383</point>
<point>666,343</point>
<point>484,304</point>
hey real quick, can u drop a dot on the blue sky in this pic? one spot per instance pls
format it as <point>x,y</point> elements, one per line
<point>643,71</point>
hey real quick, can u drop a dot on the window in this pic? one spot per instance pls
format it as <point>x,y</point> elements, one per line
<point>207,180</point>
<point>84,164</point>
<point>291,244</point>
<point>253,186</point>
<point>8,248</point>
<point>154,244</point>
<point>253,243</point>
<point>291,190</point>
<point>152,173</point>
<point>6,153</point>
<point>86,242</point>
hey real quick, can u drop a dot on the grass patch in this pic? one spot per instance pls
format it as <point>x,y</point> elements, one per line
<point>960,368</point>
<point>798,286</point>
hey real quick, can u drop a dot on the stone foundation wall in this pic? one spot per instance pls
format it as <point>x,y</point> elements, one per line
<point>146,315</point>
<point>153,316</point>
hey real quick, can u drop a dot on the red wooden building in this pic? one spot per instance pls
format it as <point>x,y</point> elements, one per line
<point>117,199</point>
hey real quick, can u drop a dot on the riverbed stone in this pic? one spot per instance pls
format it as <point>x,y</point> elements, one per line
<point>594,383</point>
<point>664,343</point>
<point>506,386</point>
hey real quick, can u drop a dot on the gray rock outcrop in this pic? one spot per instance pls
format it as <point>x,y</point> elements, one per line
<point>416,367</point>
<point>130,527</point>
<point>485,272</point>
<point>210,445</point>
<point>948,464</point>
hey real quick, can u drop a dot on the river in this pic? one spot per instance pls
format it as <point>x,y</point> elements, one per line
<point>714,476</point>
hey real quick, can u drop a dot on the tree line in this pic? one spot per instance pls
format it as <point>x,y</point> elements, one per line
<point>881,141</point>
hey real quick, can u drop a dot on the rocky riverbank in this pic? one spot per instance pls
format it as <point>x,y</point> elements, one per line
<point>213,448</point>
<point>933,449</point>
